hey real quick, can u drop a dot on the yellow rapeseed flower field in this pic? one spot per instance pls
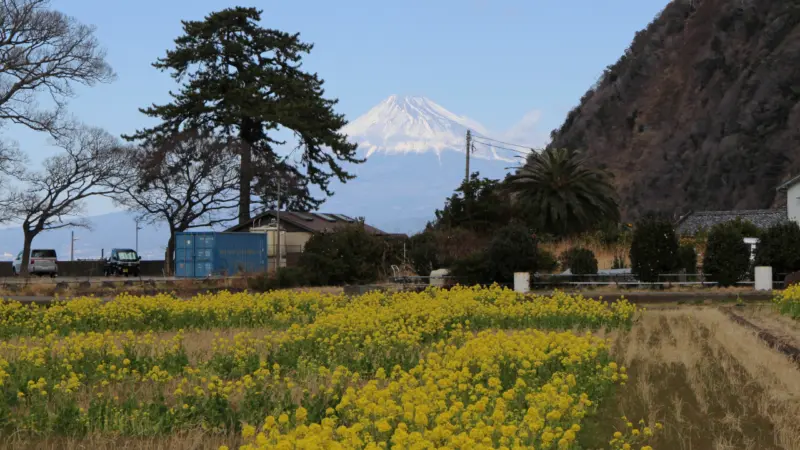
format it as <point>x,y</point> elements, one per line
<point>460,368</point>
<point>788,301</point>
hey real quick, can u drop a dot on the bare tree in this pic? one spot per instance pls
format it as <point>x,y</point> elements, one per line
<point>188,181</point>
<point>44,51</point>
<point>91,165</point>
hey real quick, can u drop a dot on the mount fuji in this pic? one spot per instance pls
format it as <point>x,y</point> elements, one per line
<point>403,125</point>
<point>415,159</point>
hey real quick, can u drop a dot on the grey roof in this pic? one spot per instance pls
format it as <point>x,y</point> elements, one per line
<point>700,220</point>
<point>311,222</point>
<point>789,183</point>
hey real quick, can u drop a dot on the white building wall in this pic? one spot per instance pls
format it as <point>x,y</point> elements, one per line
<point>793,202</point>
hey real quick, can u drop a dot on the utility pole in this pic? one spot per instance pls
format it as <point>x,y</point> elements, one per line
<point>72,246</point>
<point>137,236</point>
<point>468,149</point>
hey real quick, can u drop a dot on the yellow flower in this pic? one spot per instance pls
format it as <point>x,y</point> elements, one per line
<point>300,415</point>
<point>248,431</point>
<point>383,426</point>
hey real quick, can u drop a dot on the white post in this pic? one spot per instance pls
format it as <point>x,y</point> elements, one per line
<point>522,282</point>
<point>763,278</point>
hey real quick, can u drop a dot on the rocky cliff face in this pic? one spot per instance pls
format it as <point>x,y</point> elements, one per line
<point>701,112</point>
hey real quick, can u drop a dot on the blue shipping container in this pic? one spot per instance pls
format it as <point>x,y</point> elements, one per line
<point>207,253</point>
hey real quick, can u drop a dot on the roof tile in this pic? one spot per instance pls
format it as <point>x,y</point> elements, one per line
<point>316,224</point>
<point>762,218</point>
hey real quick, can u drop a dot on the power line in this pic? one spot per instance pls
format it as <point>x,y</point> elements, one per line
<point>501,142</point>
<point>503,148</point>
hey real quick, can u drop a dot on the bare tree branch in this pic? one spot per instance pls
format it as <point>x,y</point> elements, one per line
<point>92,164</point>
<point>187,181</point>
<point>44,51</point>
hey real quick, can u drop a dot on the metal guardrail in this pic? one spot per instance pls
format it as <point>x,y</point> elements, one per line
<point>629,280</point>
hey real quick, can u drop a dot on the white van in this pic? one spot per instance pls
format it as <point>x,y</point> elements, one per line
<point>42,262</point>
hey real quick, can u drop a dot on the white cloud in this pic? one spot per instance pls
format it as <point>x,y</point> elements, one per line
<point>526,132</point>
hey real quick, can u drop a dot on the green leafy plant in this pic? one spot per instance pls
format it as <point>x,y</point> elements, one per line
<point>580,261</point>
<point>479,204</point>
<point>472,270</point>
<point>779,248</point>
<point>347,256</point>
<point>512,249</point>
<point>424,253</point>
<point>654,248</point>
<point>727,257</point>
<point>546,261</point>
<point>687,258</point>
<point>745,227</point>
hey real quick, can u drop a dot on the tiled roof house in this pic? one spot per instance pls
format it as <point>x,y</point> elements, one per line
<point>694,222</point>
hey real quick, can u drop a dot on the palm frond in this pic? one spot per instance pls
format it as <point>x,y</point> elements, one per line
<point>564,192</point>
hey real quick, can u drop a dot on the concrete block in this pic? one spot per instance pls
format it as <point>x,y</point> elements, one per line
<point>763,278</point>
<point>522,282</point>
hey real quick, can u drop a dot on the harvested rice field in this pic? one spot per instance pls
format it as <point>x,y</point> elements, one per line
<point>713,383</point>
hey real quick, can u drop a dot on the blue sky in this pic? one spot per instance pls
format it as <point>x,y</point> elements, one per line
<point>493,61</point>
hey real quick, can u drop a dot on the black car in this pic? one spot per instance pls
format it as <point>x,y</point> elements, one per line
<point>122,261</point>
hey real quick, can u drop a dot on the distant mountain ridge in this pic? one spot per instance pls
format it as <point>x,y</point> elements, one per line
<point>117,229</point>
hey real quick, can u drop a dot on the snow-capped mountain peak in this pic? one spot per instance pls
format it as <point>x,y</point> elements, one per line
<point>405,124</point>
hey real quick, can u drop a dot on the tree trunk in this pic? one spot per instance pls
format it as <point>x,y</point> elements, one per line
<point>245,180</point>
<point>247,134</point>
<point>26,252</point>
<point>169,256</point>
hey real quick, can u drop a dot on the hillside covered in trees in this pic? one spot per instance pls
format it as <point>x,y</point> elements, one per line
<point>701,112</point>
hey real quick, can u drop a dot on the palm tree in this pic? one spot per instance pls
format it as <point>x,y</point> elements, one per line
<point>562,194</point>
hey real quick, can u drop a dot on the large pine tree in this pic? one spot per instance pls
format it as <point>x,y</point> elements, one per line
<point>245,80</point>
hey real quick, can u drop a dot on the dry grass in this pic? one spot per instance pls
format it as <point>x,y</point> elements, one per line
<point>712,383</point>
<point>181,288</point>
<point>604,254</point>
<point>187,440</point>
<point>779,325</point>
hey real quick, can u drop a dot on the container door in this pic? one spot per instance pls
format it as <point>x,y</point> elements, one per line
<point>184,255</point>
<point>204,255</point>
<point>240,253</point>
